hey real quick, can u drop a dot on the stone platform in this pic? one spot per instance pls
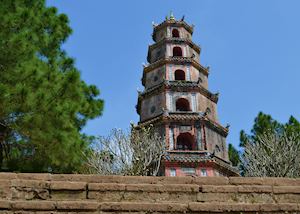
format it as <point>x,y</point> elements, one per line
<point>48,193</point>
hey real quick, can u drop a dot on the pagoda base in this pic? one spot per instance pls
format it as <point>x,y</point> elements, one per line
<point>198,164</point>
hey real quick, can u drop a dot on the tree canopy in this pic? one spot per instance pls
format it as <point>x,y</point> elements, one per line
<point>44,104</point>
<point>264,122</point>
<point>272,148</point>
<point>234,155</point>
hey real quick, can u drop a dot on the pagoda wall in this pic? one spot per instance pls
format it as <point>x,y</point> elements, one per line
<point>191,73</point>
<point>172,96</point>
<point>203,79</point>
<point>158,53</point>
<point>183,33</point>
<point>192,53</point>
<point>187,51</point>
<point>161,34</point>
<point>167,51</point>
<point>214,139</point>
<point>179,168</point>
<point>152,106</point>
<point>198,103</point>
<point>167,32</point>
<point>154,77</point>
<point>204,103</point>
<point>173,130</point>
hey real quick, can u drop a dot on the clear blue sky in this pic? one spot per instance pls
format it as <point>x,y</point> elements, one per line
<point>252,48</point>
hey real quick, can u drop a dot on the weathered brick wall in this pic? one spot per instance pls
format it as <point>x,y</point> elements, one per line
<point>46,193</point>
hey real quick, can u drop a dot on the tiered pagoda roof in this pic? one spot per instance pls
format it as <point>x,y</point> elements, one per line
<point>173,41</point>
<point>176,60</point>
<point>175,98</point>
<point>172,22</point>
<point>203,157</point>
<point>166,116</point>
<point>180,86</point>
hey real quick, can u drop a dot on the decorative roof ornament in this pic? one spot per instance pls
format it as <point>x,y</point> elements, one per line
<point>144,64</point>
<point>154,24</point>
<point>192,26</point>
<point>172,16</point>
<point>138,90</point>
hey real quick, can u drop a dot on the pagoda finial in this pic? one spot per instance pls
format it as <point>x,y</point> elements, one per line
<point>171,15</point>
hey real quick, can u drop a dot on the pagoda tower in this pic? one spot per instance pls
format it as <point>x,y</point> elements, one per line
<point>177,102</point>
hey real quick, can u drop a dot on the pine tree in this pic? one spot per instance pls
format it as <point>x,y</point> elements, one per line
<point>234,155</point>
<point>43,102</point>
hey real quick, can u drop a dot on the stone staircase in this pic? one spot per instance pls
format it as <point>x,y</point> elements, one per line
<point>50,193</point>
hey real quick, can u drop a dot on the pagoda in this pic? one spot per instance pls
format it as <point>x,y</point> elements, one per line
<point>177,102</point>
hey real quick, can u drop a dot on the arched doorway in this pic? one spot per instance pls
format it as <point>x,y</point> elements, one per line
<point>185,141</point>
<point>182,104</point>
<point>179,75</point>
<point>175,33</point>
<point>177,51</point>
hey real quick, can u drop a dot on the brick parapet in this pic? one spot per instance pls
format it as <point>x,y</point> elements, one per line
<point>49,193</point>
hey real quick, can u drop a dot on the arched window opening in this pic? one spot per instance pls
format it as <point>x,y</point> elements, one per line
<point>182,105</point>
<point>175,33</point>
<point>185,141</point>
<point>179,75</point>
<point>177,51</point>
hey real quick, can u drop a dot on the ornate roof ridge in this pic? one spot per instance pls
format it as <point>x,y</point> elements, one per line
<point>225,165</point>
<point>189,28</point>
<point>197,116</point>
<point>151,120</point>
<point>176,59</point>
<point>166,115</point>
<point>176,39</point>
<point>204,91</point>
<point>204,152</point>
<point>183,84</point>
<point>220,162</point>
<point>216,125</point>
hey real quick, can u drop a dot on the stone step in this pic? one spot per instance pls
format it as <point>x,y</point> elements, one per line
<point>18,189</point>
<point>45,193</point>
<point>117,207</point>
<point>151,180</point>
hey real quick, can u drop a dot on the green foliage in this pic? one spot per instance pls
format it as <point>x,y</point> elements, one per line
<point>234,155</point>
<point>264,123</point>
<point>43,102</point>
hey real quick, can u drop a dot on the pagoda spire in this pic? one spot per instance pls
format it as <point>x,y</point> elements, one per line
<point>171,15</point>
